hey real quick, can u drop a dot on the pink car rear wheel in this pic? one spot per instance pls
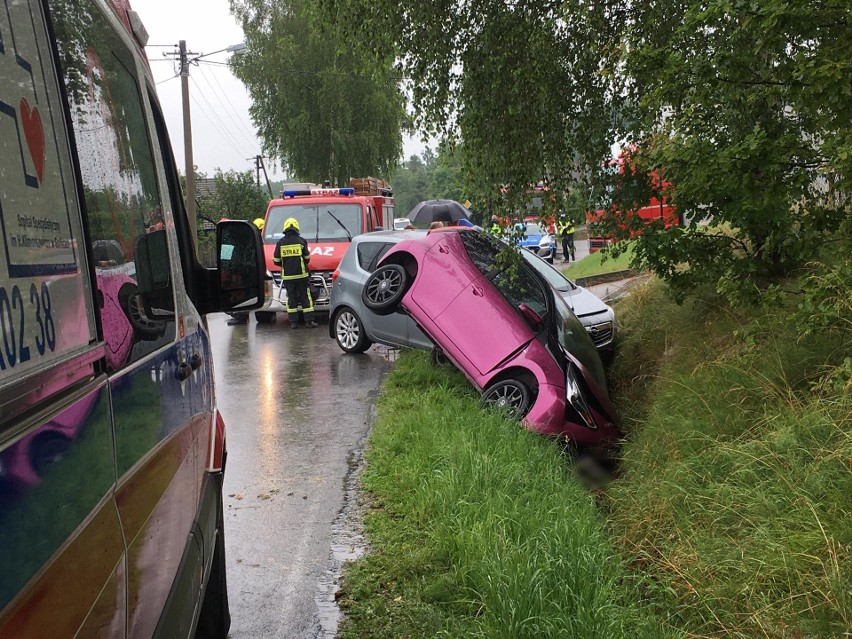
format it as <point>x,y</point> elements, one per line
<point>385,288</point>
<point>511,395</point>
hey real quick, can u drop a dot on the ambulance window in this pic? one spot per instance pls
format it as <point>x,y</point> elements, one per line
<point>46,308</point>
<point>175,199</point>
<point>122,201</point>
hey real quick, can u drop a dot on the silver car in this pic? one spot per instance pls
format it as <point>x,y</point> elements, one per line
<point>356,328</point>
<point>350,323</point>
<point>597,317</point>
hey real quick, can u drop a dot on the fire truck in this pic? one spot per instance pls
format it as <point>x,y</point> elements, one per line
<point>656,209</point>
<point>328,219</point>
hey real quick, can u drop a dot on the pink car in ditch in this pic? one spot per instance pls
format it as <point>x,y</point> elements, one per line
<point>503,326</point>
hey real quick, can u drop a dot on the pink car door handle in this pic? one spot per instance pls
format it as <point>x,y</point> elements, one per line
<point>476,291</point>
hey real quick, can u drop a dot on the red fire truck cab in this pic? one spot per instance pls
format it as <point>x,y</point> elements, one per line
<point>328,219</point>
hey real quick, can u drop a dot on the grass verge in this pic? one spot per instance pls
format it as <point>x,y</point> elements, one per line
<point>730,516</point>
<point>598,264</point>
<point>477,527</point>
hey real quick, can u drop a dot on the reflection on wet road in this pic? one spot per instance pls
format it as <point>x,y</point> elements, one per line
<point>297,410</point>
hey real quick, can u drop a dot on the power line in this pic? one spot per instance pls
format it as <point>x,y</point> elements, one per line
<point>235,144</point>
<point>223,138</point>
<point>222,126</point>
<point>345,74</point>
<point>251,133</point>
<point>231,113</point>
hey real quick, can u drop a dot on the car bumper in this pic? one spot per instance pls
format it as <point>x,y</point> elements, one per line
<point>544,252</point>
<point>553,415</point>
<point>276,298</point>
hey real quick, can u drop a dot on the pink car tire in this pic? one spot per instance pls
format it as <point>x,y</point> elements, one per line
<point>385,288</point>
<point>511,395</point>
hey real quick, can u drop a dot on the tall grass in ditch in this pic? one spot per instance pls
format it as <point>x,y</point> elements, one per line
<point>477,527</point>
<point>735,503</point>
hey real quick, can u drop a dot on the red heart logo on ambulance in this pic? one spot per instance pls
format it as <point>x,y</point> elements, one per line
<point>34,132</point>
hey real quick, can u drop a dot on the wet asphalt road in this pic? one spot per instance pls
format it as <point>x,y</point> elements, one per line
<point>297,411</point>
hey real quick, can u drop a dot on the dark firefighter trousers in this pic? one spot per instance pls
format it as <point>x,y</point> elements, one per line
<point>299,294</point>
<point>567,247</point>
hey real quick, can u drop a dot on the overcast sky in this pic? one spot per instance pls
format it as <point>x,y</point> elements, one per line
<point>223,135</point>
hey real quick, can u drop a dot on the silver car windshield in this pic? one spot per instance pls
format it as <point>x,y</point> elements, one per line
<point>574,339</point>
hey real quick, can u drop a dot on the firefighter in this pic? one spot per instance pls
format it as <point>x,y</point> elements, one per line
<point>292,255</point>
<point>495,228</point>
<point>258,222</point>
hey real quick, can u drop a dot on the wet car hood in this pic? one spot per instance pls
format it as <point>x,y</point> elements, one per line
<point>583,302</point>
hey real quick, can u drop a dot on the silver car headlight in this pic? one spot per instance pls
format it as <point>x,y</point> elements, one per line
<point>544,242</point>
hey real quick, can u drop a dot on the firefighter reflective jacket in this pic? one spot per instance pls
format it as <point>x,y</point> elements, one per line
<point>292,255</point>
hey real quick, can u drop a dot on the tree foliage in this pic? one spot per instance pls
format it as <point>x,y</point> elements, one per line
<point>742,107</point>
<point>319,110</point>
<point>428,176</point>
<point>520,83</point>
<point>236,197</point>
<point>745,108</point>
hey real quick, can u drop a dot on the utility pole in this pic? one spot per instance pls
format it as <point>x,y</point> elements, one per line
<point>256,159</point>
<point>265,176</point>
<point>182,56</point>
<point>258,167</point>
<point>187,141</point>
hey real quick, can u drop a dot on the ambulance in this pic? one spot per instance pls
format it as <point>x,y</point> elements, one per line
<point>112,450</point>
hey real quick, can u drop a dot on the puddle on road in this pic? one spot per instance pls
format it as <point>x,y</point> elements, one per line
<point>388,353</point>
<point>347,540</point>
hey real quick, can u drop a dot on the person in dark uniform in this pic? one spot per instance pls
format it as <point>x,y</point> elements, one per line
<point>292,255</point>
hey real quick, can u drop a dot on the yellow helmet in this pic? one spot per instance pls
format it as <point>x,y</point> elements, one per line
<point>291,223</point>
<point>258,222</point>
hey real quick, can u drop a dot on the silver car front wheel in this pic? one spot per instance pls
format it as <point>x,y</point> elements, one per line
<point>349,332</point>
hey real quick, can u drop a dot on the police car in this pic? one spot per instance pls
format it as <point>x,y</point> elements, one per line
<point>535,237</point>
